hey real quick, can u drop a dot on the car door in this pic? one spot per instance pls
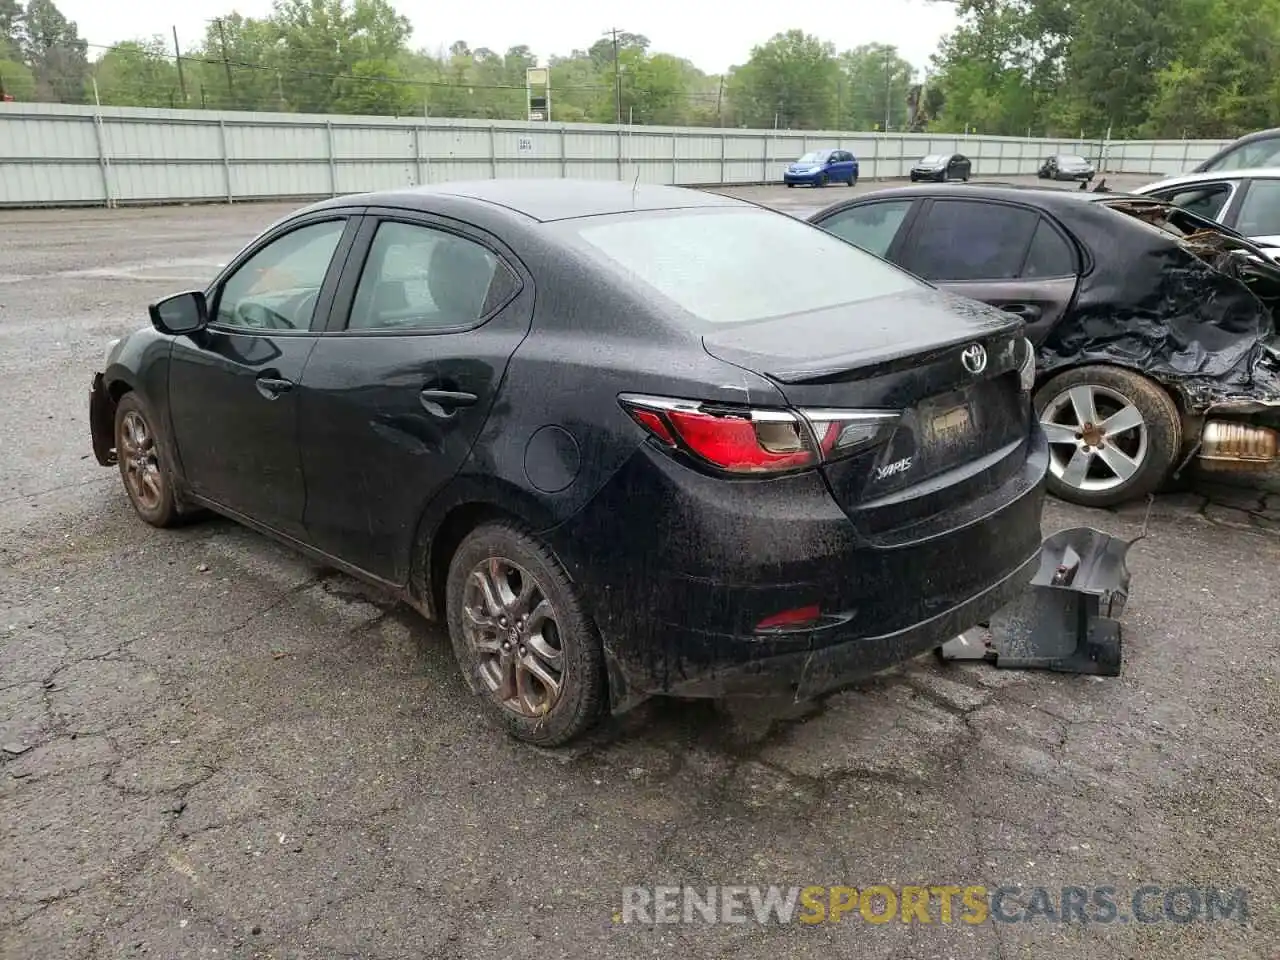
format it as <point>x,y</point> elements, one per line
<point>960,167</point>
<point>427,315</point>
<point>232,399</point>
<point>1009,256</point>
<point>1257,214</point>
<point>845,165</point>
<point>873,225</point>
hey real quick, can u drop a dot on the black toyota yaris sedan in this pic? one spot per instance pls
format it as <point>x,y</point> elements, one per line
<point>625,441</point>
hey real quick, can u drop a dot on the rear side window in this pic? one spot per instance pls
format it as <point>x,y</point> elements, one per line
<point>871,226</point>
<point>740,265</point>
<point>969,240</point>
<point>1260,211</point>
<point>1050,254</point>
<point>1205,199</point>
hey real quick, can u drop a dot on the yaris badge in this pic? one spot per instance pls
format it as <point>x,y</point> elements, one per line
<point>974,358</point>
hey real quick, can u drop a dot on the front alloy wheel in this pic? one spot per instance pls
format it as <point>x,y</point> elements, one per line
<point>139,454</point>
<point>1113,435</point>
<point>521,637</point>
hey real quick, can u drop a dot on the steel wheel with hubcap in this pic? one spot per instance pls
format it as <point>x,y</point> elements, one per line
<point>139,454</point>
<point>1113,434</point>
<point>520,636</point>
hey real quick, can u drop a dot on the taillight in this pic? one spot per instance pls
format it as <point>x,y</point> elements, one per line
<point>752,440</point>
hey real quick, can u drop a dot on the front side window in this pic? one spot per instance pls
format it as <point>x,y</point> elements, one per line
<point>871,226</point>
<point>419,278</point>
<point>1260,210</point>
<point>739,265</point>
<point>278,287</point>
<point>970,240</point>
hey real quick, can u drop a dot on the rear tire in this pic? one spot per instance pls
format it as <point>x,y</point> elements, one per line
<point>790,184</point>
<point>521,637</point>
<point>1096,468</point>
<point>821,181</point>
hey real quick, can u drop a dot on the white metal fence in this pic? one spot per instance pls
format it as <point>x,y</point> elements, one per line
<point>53,154</point>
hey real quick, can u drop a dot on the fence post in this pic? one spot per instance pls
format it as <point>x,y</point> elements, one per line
<point>424,152</point>
<point>564,152</point>
<point>333,168</point>
<point>764,161</point>
<point>619,151</point>
<point>1151,161</point>
<point>723,171</point>
<point>104,163</point>
<point>493,151</point>
<point>875,158</point>
<point>226,158</point>
<point>675,150</point>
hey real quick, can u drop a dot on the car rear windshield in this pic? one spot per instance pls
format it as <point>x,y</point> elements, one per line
<point>733,266</point>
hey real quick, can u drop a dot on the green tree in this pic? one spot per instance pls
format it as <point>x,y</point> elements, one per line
<point>138,73</point>
<point>790,82</point>
<point>16,80</point>
<point>873,85</point>
<point>51,47</point>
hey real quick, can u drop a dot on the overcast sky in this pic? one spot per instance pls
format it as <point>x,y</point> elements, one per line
<point>686,28</point>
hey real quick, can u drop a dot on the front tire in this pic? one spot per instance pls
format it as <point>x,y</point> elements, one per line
<point>143,461</point>
<point>1113,435</point>
<point>521,637</point>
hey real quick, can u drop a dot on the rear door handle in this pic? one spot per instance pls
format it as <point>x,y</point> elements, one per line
<point>272,387</point>
<point>441,403</point>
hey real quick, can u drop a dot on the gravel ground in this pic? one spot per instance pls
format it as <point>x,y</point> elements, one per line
<point>210,747</point>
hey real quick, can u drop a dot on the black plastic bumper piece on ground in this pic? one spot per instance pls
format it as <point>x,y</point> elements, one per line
<point>1067,620</point>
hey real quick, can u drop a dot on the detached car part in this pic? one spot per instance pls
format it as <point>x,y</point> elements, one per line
<point>1067,620</point>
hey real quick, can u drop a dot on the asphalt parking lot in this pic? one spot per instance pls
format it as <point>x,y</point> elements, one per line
<point>211,747</point>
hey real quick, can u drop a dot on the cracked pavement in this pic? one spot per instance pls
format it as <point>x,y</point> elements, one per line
<point>210,746</point>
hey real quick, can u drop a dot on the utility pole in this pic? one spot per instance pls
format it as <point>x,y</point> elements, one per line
<point>617,78</point>
<point>226,64</point>
<point>720,101</point>
<point>177,54</point>
<point>888,87</point>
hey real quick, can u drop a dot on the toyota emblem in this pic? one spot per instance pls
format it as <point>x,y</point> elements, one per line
<point>974,358</point>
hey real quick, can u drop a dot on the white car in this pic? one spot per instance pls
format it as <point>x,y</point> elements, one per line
<point>1247,201</point>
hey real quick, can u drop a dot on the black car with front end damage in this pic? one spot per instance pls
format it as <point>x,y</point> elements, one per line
<point>1154,327</point>
<point>603,432</point>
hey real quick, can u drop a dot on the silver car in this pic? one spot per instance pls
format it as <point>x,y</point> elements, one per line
<point>1247,201</point>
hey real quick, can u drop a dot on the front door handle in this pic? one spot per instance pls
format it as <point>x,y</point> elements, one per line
<point>442,403</point>
<point>272,387</point>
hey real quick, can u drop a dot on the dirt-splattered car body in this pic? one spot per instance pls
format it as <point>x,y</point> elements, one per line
<point>1107,281</point>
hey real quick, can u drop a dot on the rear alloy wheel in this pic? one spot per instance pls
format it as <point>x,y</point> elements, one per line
<point>521,638</point>
<point>1113,435</point>
<point>140,455</point>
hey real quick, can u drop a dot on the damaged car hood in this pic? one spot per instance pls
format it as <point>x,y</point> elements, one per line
<point>1183,299</point>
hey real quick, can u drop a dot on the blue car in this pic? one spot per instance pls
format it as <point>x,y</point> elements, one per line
<point>820,167</point>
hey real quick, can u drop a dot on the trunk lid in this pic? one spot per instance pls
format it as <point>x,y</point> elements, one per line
<point>962,423</point>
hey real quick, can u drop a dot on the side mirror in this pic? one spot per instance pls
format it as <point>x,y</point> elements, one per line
<point>180,314</point>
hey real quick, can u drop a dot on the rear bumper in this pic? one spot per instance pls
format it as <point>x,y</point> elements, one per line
<point>679,597</point>
<point>809,673</point>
